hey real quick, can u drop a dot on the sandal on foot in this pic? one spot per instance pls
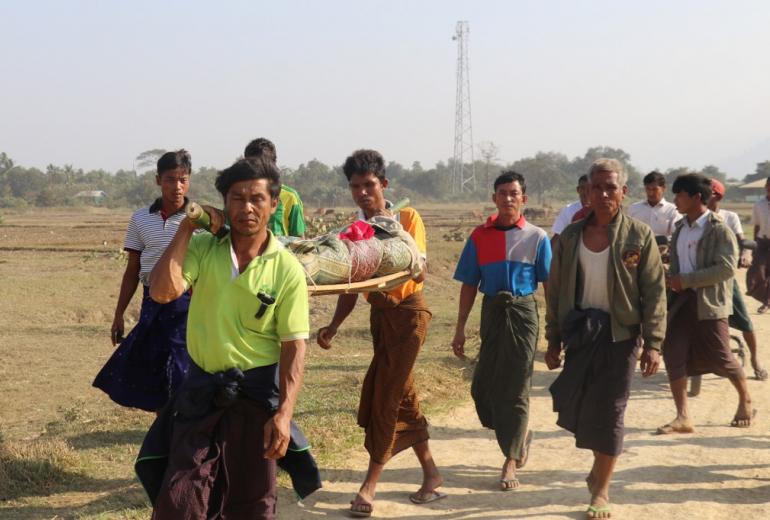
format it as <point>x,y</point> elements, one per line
<point>509,484</point>
<point>760,374</point>
<point>669,428</point>
<point>422,498</point>
<point>520,463</point>
<point>736,422</point>
<point>362,510</point>
<point>598,512</point>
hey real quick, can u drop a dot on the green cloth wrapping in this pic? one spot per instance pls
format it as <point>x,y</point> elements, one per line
<point>503,374</point>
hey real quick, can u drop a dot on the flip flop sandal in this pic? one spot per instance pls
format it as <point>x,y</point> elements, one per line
<point>520,463</point>
<point>593,511</point>
<point>735,423</point>
<point>667,429</point>
<point>359,513</point>
<point>416,498</point>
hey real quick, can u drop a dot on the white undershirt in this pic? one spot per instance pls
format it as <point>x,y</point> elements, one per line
<point>235,270</point>
<point>594,268</point>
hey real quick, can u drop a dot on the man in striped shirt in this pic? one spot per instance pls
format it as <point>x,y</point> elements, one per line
<point>152,360</point>
<point>289,218</point>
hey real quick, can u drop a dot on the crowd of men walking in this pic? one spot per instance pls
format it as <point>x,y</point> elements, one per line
<point>218,352</point>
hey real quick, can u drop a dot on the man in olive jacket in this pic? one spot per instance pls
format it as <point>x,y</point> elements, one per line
<point>605,289</point>
<point>703,263</point>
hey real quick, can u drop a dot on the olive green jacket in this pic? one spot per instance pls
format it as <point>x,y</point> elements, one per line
<point>636,282</point>
<point>715,259</point>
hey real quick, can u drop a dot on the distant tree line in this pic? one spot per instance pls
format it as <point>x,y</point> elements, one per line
<point>551,177</point>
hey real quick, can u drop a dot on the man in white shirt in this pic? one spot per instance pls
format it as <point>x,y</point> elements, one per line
<point>739,319</point>
<point>564,218</point>
<point>758,277</point>
<point>656,212</point>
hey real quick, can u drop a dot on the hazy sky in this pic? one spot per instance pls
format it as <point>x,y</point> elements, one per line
<point>94,83</point>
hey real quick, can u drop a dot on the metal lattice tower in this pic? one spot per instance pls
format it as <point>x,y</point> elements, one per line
<point>463,176</point>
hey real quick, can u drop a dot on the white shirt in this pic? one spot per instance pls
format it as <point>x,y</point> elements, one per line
<point>661,217</point>
<point>149,234</point>
<point>732,220</point>
<point>761,217</point>
<point>594,268</point>
<point>564,218</point>
<point>687,243</point>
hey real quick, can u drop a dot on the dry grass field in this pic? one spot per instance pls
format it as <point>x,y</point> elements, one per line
<point>66,451</point>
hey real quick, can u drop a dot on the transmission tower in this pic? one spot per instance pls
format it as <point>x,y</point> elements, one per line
<point>463,176</point>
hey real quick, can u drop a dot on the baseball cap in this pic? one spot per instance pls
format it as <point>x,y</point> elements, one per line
<point>717,188</point>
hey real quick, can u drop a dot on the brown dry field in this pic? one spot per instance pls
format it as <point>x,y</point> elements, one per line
<point>70,450</point>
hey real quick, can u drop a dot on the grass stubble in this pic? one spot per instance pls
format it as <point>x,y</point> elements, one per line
<point>66,451</point>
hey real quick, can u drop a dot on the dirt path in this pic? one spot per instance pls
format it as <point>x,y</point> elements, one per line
<point>717,472</point>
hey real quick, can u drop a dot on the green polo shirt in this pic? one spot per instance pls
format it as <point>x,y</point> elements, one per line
<point>289,218</point>
<point>222,328</point>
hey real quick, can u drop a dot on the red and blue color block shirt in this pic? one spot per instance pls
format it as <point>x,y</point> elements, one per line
<point>512,260</point>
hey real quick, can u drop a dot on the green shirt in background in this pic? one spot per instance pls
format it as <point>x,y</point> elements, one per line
<point>222,328</point>
<point>289,216</point>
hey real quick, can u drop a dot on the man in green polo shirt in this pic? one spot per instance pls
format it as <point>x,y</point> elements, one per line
<point>288,220</point>
<point>249,311</point>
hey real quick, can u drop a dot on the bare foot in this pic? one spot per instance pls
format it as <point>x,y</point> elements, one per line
<point>744,415</point>
<point>678,425</point>
<point>760,374</point>
<point>599,508</point>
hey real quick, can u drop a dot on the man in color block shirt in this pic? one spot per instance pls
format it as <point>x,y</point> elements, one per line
<point>505,259</point>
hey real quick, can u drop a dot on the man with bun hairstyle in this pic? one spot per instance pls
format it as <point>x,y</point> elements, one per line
<point>289,217</point>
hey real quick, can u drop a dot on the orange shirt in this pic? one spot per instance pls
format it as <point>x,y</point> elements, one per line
<point>412,223</point>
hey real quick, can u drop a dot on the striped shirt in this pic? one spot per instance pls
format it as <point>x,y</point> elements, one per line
<point>149,234</point>
<point>512,260</point>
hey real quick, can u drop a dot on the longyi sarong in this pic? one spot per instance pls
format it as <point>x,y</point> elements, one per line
<point>758,275</point>
<point>693,347</point>
<point>389,410</point>
<point>740,318</point>
<point>152,361</point>
<point>591,393</point>
<point>203,457</point>
<point>187,434</point>
<point>503,374</point>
